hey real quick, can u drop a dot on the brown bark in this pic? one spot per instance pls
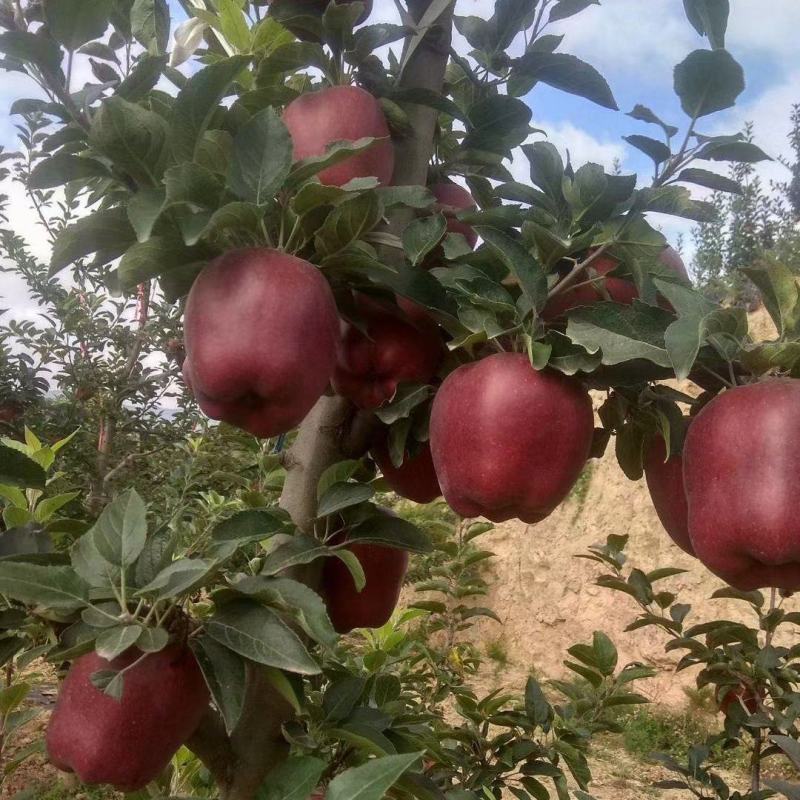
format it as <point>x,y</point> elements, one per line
<point>331,432</point>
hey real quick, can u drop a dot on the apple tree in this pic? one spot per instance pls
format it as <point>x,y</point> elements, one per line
<point>292,178</point>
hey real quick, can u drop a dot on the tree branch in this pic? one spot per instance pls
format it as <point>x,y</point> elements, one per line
<point>332,431</point>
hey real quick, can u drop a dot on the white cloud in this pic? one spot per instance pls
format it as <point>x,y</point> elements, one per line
<point>581,146</point>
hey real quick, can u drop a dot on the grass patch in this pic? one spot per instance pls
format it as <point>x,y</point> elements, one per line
<point>496,651</point>
<point>651,730</point>
<point>61,792</point>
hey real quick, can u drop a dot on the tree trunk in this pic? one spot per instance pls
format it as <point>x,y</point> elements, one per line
<point>333,431</point>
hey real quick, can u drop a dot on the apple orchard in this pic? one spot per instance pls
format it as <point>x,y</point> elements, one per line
<point>322,207</point>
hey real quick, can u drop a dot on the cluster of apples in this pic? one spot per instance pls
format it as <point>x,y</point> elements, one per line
<point>729,498</point>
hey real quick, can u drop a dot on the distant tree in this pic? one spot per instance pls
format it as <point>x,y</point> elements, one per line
<point>747,224</point>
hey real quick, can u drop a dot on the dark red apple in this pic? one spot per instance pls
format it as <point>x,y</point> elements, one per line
<point>508,440</point>
<point>341,113</point>
<point>453,198</point>
<point>741,468</point>
<point>127,742</point>
<point>394,349</point>
<point>620,290</point>
<point>726,696</point>
<point>384,569</point>
<point>9,412</point>
<point>665,481</point>
<point>261,334</point>
<point>415,479</point>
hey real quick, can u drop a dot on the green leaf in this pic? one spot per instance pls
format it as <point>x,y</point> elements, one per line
<point>226,677</point>
<point>120,532</point>
<point>341,697</point>
<point>348,222</point>
<point>780,289</point>
<point>75,22</point>
<point>150,21</point>
<point>295,551</point>
<point>144,209</point>
<point>569,74</point>
<point>372,780</point>
<point>657,150</point>
<point>337,152</point>
<point>710,180</point>
<point>142,78</point>
<point>605,653</point>
<point>152,640</point>
<point>155,556</point>
<point>740,152</point>
<point>132,137</point>
<point>11,697</point>
<point>411,196</point>
<point>33,48</point>
<point>48,506</point>
<point>644,114</point>
<point>520,263</point>
<point>193,184</point>
<point>62,168</point>
<point>391,531</point>
<point>339,472</point>
<point>234,25</point>
<point>421,235</point>
<point>539,711</point>
<point>343,495</point>
<point>180,577</point>
<point>708,81</point>
<point>293,779</point>
<point>197,101</point>
<point>259,634</point>
<point>569,8</point>
<point>251,525</point>
<point>261,158</point>
<point>106,231</point>
<point>91,566</point>
<point>427,97</point>
<point>157,256</point>
<point>295,598</point>
<point>709,18</point>
<point>57,588</point>
<point>621,333</point>
<point>116,641</point>
<point>16,469</point>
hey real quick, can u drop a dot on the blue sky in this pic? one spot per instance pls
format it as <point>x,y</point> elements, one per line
<point>635,44</point>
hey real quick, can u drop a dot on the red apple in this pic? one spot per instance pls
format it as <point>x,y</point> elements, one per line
<point>665,481</point>
<point>261,333</point>
<point>341,113</point>
<point>9,412</point>
<point>726,696</point>
<point>394,349</point>
<point>415,479</point>
<point>453,198</point>
<point>620,290</point>
<point>384,569</point>
<point>127,742</point>
<point>741,467</point>
<point>507,440</point>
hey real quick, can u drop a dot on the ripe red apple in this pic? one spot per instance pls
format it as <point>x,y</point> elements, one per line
<point>341,113</point>
<point>127,742</point>
<point>261,333</point>
<point>507,440</point>
<point>394,349</point>
<point>415,479</point>
<point>665,481</point>
<point>620,290</point>
<point>384,569</point>
<point>726,696</point>
<point>453,198</point>
<point>741,467</point>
